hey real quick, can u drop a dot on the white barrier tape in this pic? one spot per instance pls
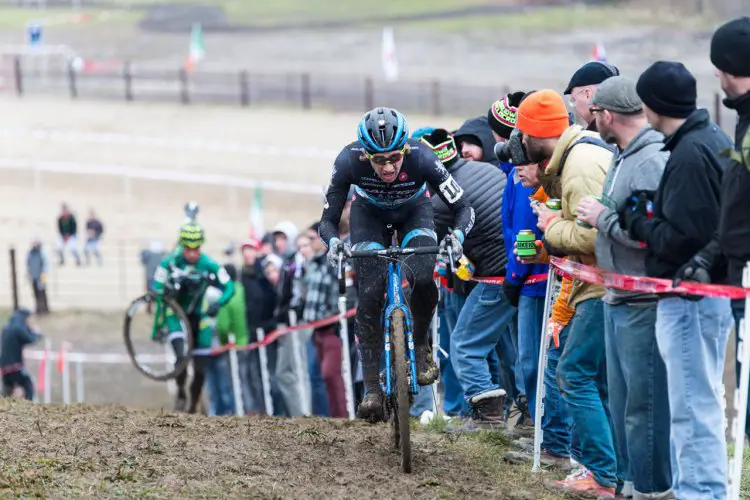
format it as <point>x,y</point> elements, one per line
<point>158,175</point>
<point>104,358</point>
<point>196,144</point>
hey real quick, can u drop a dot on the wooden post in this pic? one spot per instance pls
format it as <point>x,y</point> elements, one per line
<point>184,91</point>
<point>72,82</point>
<point>369,93</point>
<point>244,89</point>
<point>18,73</point>
<point>127,76</point>
<point>14,278</point>
<point>436,109</point>
<point>306,100</point>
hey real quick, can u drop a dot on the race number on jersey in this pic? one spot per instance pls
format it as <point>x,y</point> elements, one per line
<point>451,190</point>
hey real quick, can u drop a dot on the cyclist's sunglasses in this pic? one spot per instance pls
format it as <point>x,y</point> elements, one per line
<point>384,160</point>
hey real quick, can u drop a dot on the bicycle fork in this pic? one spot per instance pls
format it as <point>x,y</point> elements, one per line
<point>411,353</point>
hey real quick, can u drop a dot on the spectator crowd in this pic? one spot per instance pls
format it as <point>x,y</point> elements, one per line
<point>622,172</point>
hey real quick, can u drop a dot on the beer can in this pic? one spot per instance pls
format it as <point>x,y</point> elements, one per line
<point>554,204</point>
<point>586,224</point>
<point>465,269</point>
<point>526,243</point>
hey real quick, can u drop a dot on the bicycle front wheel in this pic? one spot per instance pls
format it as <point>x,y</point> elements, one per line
<point>151,324</point>
<point>400,389</point>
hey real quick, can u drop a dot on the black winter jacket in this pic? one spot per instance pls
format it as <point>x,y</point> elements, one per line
<point>260,298</point>
<point>734,225</point>
<point>16,335</point>
<point>479,127</point>
<point>686,205</point>
<point>484,185</point>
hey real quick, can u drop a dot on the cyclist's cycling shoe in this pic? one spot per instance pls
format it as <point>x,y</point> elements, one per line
<point>427,370</point>
<point>180,404</point>
<point>371,408</point>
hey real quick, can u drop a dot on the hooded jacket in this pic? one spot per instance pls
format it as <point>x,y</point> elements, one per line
<point>686,204</point>
<point>16,335</point>
<point>638,167</point>
<point>582,175</point>
<point>478,127</point>
<point>517,215</point>
<point>232,318</point>
<point>484,184</point>
<point>734,223</point>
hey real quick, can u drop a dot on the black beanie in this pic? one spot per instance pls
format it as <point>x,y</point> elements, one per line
<point>668,89</point>
<point>730,47</point>
<point>502,114</point>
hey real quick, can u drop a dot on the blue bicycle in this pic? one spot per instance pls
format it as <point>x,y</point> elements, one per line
<point>400,377</point>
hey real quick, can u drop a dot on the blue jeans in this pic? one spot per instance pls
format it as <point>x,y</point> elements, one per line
<point>738,312</point>
<point>530,318</point>
<point>482,322</point>
<point>582,377</point>
<point>453,396</point>
<point>556,421</point>
<point>692,337</point>
<point>422,401</point>
<point>506,356</point>
<point>638,396</point>
<point>318,392</point>
<point>219,383</point>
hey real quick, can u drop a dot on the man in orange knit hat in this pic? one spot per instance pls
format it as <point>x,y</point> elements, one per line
<point>574,163</point>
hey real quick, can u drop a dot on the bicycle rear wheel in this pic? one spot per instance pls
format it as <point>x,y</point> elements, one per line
<point>400,389</point>
<point>146,334</point>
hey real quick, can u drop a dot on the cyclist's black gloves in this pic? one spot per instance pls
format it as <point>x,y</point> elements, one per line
<point>453,240</point>
<point>213,310</point>
<point>335,247</point>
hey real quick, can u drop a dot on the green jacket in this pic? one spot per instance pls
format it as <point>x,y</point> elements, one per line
<point>231,318</point>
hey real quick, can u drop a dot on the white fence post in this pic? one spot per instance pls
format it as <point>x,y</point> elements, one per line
<point>264,377</point>
<point>239,407</point>
<point>65,372</point>
<point>543,356</point>
<point>79,381</point>
<point>740,397</point>
<point>346,363</point>
<point>299,369</point>
<point>47,371</point>
<point>436,404</point>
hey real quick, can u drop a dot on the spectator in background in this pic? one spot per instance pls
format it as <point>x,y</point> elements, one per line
<point>517,215</point>
<point>636,376</point>
<point>691,332</point>
<point>575,163</point>
<point>229,321</point>
<point>583,85</point>
<point>284,233</point>
<point>322,302</point>
<point>68,229</point>
<point>475,141</point>
<point>730,47</point>
<point>37,268</point>
<point>16,335</point>
<point>94,231</point>
<point>259,304</point>
<point>267,247</point>
<point>283,364</point>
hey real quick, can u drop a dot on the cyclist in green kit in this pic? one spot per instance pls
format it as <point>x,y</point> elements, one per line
<point>189,273</point>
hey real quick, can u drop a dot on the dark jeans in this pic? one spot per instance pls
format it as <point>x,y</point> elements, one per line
<point>638,397</point>
<point>453,396</point>
<point>738,313</point>
<point>556,421</point>
<point>18,379</point>
<point>318,393</point>
<point>582,377</point>
<point>530,317</point>
<point>328,349</point>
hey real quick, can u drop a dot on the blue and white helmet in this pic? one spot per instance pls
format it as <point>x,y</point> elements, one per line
<point>382,130</point>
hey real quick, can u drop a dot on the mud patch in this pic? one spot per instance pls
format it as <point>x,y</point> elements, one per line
<point>106,451</point>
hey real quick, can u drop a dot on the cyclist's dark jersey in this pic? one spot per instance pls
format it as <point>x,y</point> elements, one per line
<point>420,167</point>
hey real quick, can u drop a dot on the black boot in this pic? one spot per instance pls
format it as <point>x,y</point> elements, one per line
<point>487,408</point>
<point>427,370</point>
<point>372,407</point>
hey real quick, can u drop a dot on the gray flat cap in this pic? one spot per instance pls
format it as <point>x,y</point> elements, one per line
<point>618,94</point>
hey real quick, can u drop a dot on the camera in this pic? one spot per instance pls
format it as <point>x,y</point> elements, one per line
<point>512,150</point>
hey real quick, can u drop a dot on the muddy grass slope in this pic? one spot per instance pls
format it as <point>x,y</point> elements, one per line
<point>108,451</point>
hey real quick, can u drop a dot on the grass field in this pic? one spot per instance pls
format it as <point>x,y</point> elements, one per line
<point>11,17</point>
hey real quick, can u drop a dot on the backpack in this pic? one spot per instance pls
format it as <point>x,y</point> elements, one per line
<point>584,140</point>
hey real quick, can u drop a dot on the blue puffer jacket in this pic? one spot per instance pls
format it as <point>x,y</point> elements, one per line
<point>517,215</point>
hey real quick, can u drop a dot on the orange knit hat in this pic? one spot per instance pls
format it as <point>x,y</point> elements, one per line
<point>543,115</point>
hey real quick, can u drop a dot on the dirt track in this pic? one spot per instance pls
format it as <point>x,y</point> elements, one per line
<point>108,451</point>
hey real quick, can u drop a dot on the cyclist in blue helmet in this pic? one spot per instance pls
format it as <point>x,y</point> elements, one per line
<point>390,174</point>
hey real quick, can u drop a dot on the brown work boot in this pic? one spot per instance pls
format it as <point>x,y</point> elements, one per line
<point>427,370</point>
<point>487,409</point>
<point>371,409</point>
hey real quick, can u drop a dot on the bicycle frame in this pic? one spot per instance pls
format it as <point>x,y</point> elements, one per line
<point>395,300</point>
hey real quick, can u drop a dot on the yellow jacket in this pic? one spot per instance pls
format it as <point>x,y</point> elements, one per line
<point>582,175</point>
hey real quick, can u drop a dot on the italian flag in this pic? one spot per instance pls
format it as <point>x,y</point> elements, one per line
<point>257,229</point>
<point>197,48</point>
